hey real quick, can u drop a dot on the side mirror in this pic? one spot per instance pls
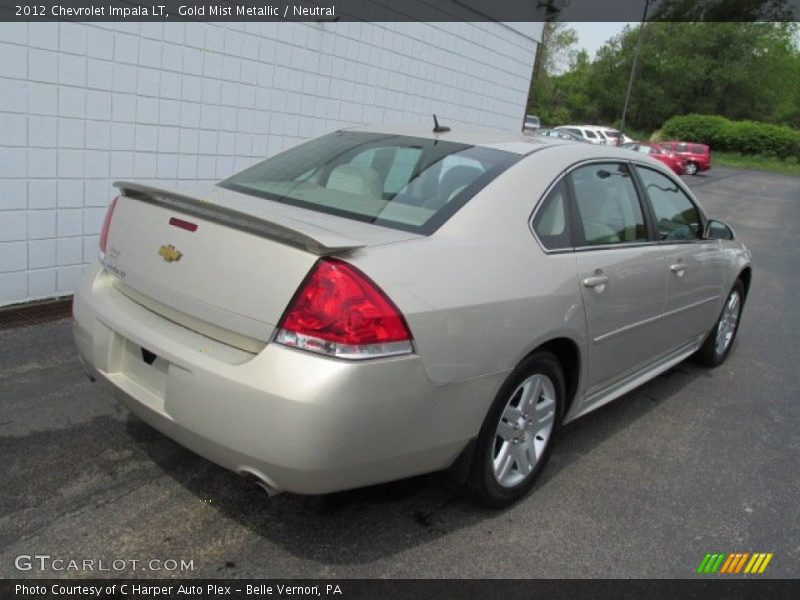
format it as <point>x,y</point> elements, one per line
<point>717,230</point>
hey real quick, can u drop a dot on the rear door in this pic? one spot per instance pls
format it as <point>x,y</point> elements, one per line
<point>695,266</point>
<point>621,272</point>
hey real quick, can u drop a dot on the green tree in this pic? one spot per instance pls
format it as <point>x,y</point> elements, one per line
<point>738,70</point>
<point>555,52</point>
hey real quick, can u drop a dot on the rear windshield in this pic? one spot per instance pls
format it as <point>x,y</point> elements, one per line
<point>403,182</point>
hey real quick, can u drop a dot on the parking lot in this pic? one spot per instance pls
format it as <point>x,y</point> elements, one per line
<point>695,461</point>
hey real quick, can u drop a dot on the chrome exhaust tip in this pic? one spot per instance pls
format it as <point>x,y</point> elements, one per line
<point>261,483</point>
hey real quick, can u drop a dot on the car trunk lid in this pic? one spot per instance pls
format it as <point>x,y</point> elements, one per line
<point>225,258</point>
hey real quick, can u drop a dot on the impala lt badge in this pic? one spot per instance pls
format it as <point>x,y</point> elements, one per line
<point>169,253</point>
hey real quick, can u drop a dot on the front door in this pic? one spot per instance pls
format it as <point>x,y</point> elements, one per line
<point>694,266</point>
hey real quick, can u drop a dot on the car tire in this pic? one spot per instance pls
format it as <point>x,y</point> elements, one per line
<point>516,438</point>
<point>717,345</point>
<point>691,168</point>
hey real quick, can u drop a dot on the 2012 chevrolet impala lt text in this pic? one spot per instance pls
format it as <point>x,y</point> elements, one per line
<point>377,304</point>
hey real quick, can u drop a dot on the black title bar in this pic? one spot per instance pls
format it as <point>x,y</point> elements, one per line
<point>397,10</point>
<point>704,587</point>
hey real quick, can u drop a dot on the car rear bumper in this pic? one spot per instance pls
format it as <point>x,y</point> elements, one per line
<point>299,422</point>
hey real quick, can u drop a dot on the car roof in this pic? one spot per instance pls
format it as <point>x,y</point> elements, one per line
<point>473,136</point>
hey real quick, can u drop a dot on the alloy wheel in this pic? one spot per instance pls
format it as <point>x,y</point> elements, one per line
<point>524,430</point>
<point>728,322</point>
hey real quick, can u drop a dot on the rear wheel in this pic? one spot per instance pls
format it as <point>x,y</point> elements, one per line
<point>691,168</point>
<point>516,437</point>
<point>719,342</point>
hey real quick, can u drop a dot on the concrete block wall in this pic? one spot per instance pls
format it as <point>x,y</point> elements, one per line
<point>82,105</point>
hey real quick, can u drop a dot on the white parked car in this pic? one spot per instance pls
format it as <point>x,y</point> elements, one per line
<point>587,132</point>
<point>614,137</point>
<point>596,134</point>
<point>532,123</point>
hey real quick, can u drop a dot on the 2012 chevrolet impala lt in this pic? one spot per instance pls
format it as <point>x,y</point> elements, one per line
<point>376,304</point>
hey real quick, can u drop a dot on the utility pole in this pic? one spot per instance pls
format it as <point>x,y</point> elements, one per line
<point>633,66</point>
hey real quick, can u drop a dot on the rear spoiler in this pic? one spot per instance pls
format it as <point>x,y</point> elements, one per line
<point>283,229</point>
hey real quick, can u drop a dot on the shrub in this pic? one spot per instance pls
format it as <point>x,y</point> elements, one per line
<point>747,137</point>
<point>704,129</point>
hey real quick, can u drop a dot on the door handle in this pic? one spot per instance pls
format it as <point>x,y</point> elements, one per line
<point>595,281</point>
<point>678,269</point>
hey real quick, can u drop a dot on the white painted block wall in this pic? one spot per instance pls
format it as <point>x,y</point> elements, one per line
<point>82,105</point>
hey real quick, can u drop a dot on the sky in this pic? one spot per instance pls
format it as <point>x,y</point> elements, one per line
<point>593,35</point>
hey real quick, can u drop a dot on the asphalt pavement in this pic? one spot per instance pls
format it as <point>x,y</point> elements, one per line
<point>695,461</point>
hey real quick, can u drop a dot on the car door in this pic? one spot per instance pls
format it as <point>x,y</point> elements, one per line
<point>695,266</point>
<point>621,272</point>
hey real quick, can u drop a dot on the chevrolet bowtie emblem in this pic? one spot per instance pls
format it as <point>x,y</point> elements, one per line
<point>169,253</point>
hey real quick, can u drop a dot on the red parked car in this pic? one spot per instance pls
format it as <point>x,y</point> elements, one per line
<point>669,158</point>
<point>697,156</point>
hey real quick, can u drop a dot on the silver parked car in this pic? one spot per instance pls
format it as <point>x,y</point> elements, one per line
<point>531,123</point>
<point>376,304</point>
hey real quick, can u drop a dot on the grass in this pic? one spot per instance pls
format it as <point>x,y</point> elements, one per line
<point>788,166</point>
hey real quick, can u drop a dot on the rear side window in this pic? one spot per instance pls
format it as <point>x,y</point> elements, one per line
<point>700,149</point>
<point>551,222</point>
<point>589,133</point>
<point>403,182</point>
<point>677,218</point>
<point>644,149</point>
<point>607,205</point>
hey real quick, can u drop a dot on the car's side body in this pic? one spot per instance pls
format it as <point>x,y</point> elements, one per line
<point>674,161</point>
<point>479,294</point>
<point>693,153</point>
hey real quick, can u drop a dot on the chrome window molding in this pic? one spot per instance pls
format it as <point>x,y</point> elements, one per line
<point>631,163</point>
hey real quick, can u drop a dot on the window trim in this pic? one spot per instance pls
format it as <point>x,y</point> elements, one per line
<point>644,200</point>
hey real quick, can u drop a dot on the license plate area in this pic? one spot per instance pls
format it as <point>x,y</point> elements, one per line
<point>145,368</point>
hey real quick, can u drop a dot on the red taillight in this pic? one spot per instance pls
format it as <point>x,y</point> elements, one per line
<point>340,312</point>
<point>107,225</point>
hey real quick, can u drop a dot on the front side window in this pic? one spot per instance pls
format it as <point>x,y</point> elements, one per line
<point>590,134</point>
<point>677,218</point>
<point>607,205</point>
<point>644,149</point>
<point>551,223</point>
<point>403,182</point>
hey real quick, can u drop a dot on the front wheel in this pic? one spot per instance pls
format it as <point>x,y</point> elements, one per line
<point>718,344</point>
<point>515,440</point>
<point>691,168</point>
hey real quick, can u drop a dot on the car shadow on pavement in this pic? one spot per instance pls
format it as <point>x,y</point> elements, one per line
<point>363,525</point>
